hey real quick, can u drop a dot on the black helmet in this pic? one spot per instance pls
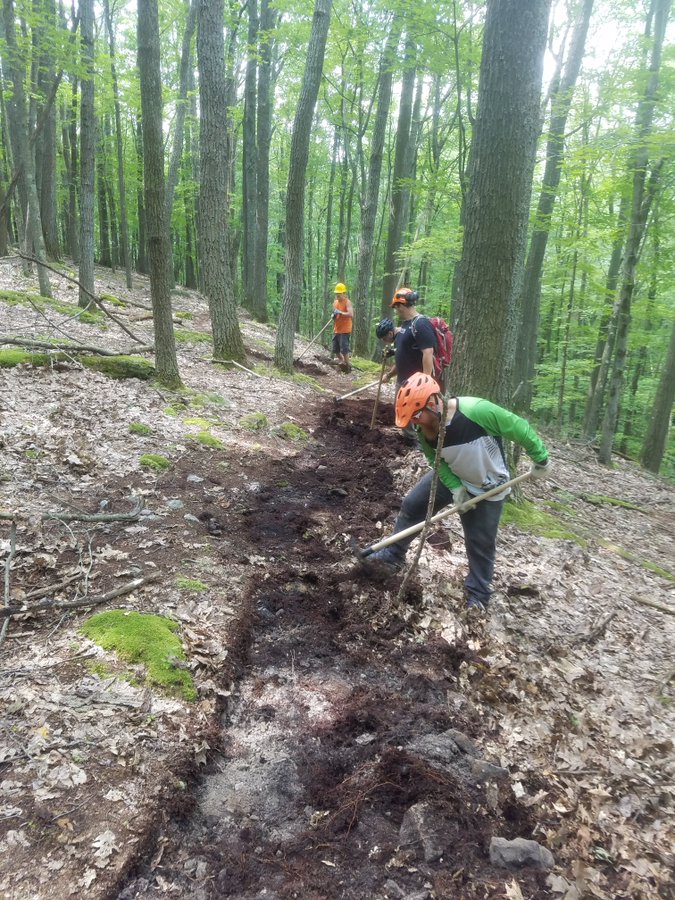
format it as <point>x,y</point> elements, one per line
<point>383,328</point>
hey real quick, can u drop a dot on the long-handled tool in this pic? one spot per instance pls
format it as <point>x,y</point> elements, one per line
<point>357,391</point>
<point>314,339</point>
<point>377,397</point>
<point>443,514</point>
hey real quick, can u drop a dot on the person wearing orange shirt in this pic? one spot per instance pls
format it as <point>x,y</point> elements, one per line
<point>343,320</point>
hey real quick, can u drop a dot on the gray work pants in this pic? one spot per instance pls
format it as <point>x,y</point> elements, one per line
<point>480,526</point>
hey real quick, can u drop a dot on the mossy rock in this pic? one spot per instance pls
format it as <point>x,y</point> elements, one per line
<point>255,421</point>
<point>155,461</point>
<point>191,584</point>
<point>289,431</point>
<point>147,639</point>
<point>185,336</point>
<point>113,301</point>
<point>207,440</point>
<point>120,366</point>
<point>139,428</point>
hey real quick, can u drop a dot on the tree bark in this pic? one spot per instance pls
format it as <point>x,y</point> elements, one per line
<point>87,153</point>
<point>295,195</point>
<point>214,238</point>
<point>159,246</point>
<point>656,437</point>
<point>497,204</point>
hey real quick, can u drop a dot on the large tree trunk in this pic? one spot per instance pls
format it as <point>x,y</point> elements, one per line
<point>214,249</point>
<point>87,153</point>
<point>642,198</point>
<point>371,191</point>
<point>48,205</point>
<point>398,210</point>
<point>561,100</point>
<point>659,423</point>
<point>249,163</point>
<point>295,195</point>
<point>159,246</point>
<point>497,204</point>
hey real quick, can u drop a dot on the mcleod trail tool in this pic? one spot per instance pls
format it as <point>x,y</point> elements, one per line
<point>443,514</point>
<point>379,389</point>
<point>315,338</point>
<point>357,391</point>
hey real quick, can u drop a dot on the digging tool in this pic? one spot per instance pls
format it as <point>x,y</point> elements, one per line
<point>357,391</point>
<point>379,389</point>
<point>443,514</point>
<point>315,338</point>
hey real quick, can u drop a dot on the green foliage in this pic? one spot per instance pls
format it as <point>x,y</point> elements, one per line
<point>255,421</point>
<point>155,461</point>
<point>139,428</point>
<point>147,639</point>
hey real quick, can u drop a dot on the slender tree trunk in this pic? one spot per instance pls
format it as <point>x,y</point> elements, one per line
<point>561,101</point>
<point>153,175</point>
<point>399,191</point>
<point>121,186</point>
<point>371,190</point>
<point>497,204</point>
<point>87,154</point>
<point>142,248</point>
<point>105,254</point>
<point>656,437</point>
<point>295,195</point>
<point>249,159</point>
<point>642,198</point>
<point>214,241</point>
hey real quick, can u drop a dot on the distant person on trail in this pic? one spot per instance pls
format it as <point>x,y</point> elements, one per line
<point>343,321</point>
<point>472,462</point>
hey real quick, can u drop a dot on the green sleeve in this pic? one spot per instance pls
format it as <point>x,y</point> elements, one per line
<point>499,422</point>
<point>445,473</point>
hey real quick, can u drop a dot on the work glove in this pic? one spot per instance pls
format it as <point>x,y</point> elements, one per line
<point>389,351</point>
<point>541,469</point>
<point>336,313</point>
<point>460,497</point>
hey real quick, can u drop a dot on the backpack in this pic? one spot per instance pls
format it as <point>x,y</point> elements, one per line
<point>443,351</point>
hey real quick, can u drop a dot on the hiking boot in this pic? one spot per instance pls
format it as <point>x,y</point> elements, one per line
<point>476,605</point>
<point>385,562</point>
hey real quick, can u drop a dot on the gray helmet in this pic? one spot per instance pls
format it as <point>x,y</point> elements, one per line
<point>384,327</point>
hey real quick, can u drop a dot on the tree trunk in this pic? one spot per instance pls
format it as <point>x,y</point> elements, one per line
<point>121,186</point>
<point>105,254</point>
<point>48,205</point>
<point>399,192</point>
<point>87,153</point>
<point>22,151</point>
<point>142,242</point>
<point>214,239</point>
<point>497,204</point>
<point>295,195</point>
<point>656,437</point>
<point>249,163</point>
<point>159,246</point>
<point>561,100</point>
<point>642,198</point>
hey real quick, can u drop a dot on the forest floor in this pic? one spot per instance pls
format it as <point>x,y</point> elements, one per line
<point>345,742</point>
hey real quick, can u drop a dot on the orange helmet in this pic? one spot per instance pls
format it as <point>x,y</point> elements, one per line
<point>414,395</point>
<point>405,295</point>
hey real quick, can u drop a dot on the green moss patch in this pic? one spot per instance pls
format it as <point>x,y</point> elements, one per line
<point>184,336</point>
<point>155,461</point>
<point>191,584</point>
<point>139,428</point>
<point>183,315</point>
<point>112,366</point>
<point>600,500</point>
<point>141,638</point>
<point>195,420</point>
<point>529,517</point>
<point>255,421</point>
<point>113,301</point>
<point>289,431</point>
<point>208,440</point>
<point>92,315</point>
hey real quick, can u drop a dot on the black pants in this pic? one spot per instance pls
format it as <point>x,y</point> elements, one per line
<point>480,525</point>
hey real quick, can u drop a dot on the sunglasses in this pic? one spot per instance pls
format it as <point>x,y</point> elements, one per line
<point>416,416</point>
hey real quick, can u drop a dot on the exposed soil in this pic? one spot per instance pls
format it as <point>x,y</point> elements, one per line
<point>346,742</point>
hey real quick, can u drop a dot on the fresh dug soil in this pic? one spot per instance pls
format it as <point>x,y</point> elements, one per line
<point>337,730</point>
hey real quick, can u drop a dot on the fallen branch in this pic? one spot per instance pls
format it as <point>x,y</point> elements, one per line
<point>130,516</point>
<point>127,588</point>
<point>231,362</point>
<point>8,566</point>
<point>75,348</point>
<point>42,592</point>
<point>654,604</point>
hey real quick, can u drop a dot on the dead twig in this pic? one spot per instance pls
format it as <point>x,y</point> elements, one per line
<point>130,516</point>
<point>645,601</point>
<point>51,588</point>
<point>8,566</point>
<point>74,348</point>
<point>127,588</point>
<point>231,362</point>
